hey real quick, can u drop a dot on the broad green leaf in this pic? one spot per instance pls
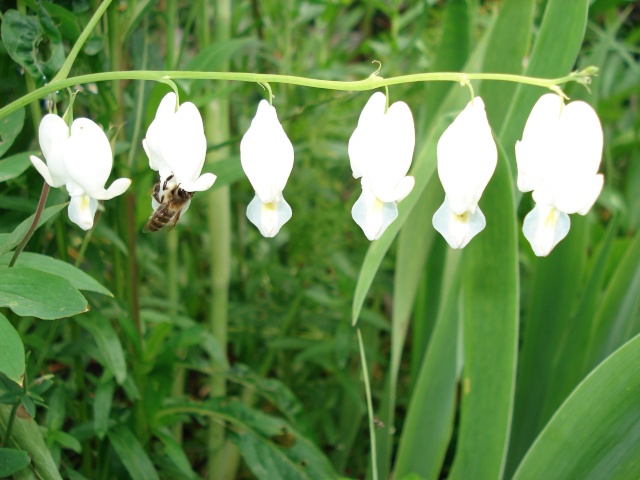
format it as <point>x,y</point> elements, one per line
<point>617,316</point>
<point>29,292</point>
<point>132,454</point>
<point>44,263</point>
<point>10,127</point>
<point>429,422</point>
<point>15,165</point>
<point>13,239</point>
<point>554,291</point>
<point>102,405</point>
<point>506,53</point>
<point>572,360</point>
<point>108,343</point>
<point>490,311</point>
<point>563,24</point>
<point>12,461</point>
<point>22,35</point>
<point>26,435</point>
<point>11,351</point>
<point>595,433</point>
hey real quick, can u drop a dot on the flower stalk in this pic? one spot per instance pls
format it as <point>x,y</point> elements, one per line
<point>369,83</point>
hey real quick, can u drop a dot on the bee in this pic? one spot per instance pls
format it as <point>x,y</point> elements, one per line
<point>171,201</point>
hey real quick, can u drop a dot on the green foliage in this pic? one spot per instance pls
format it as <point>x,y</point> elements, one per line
<point>483,363</point>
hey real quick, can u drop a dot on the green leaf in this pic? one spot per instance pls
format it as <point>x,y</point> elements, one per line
<point>108,343</point>
<point>102,403</point>
<point>11,351</point>
<point>44,263</point>
<point>490,313</point>
<point>15,165</point>
<point>10,128</point>
<point>132,454</point>
<point>27,436</point>
<point>595,433</point>
<point>176,454</point>
<point>554,288</point>
<point>22,36</point>
<point>429,422</point>
<point>29,292</point>
<point>13,239</point>
<point>12,461</point>
<point>506,52</point>
<point>617,315</point>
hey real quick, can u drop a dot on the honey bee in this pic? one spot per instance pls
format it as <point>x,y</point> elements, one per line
<point>171,201</point>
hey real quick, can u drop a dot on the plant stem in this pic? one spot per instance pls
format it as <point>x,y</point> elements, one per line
<point>68,63</point>
<point>372,428</point>
<point>223,456</point>
<point>34,225</point>
<point>370,83</point>
<point>12,417</point>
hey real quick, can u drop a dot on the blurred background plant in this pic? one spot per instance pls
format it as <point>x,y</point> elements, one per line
<point>211,351</point>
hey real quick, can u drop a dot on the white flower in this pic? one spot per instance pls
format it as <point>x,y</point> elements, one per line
<point>558,158</point>
<point>176,145</point>
<point>467,158</point>
<point>266,154</point>
<point>81,159</point>
<point>380,150</point>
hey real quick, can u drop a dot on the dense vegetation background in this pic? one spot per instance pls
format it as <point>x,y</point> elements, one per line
<point>212,351</point>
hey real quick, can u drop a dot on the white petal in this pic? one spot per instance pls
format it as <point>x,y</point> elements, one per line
<point>266,154</point>
<point>202,183</point>
<point>540,144</point>
<point>381,147</point>
<point>118,187</point>
<point>544,227</point>
<point>88,156</point>
<point>403,188</point>
<point>184,150</point>
<point>372,215</point>
<point>43,170</point>
<point>159,130</point>
<point>458,230</point>
<point>467,158</point>
<point>53,134</point>
<point>361,148</point>
<point>82,209</point>
<point>269,217</point>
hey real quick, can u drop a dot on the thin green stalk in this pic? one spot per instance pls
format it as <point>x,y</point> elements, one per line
<point>12,417</point>
<point>372,428</point>
<point>68,63</point>
<point>32,228</point>
<point>223,456</point>
<point>370,83</point>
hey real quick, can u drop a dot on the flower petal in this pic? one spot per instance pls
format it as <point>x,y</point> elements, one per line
<point>43,170</point>
<point>362,145</point>
<point>53,134</point>
<point>381,147</point>
<point>467,158</point>
<point>458,230</point>
<point>544,227</point>
<point>88,157</point>
<point>541,140</point>
<point>269,217</point>
<point>266,154</point>
<point>372,215</point>
<point>118,187</point>
<point>202,183</point>
<point>82,210</point>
